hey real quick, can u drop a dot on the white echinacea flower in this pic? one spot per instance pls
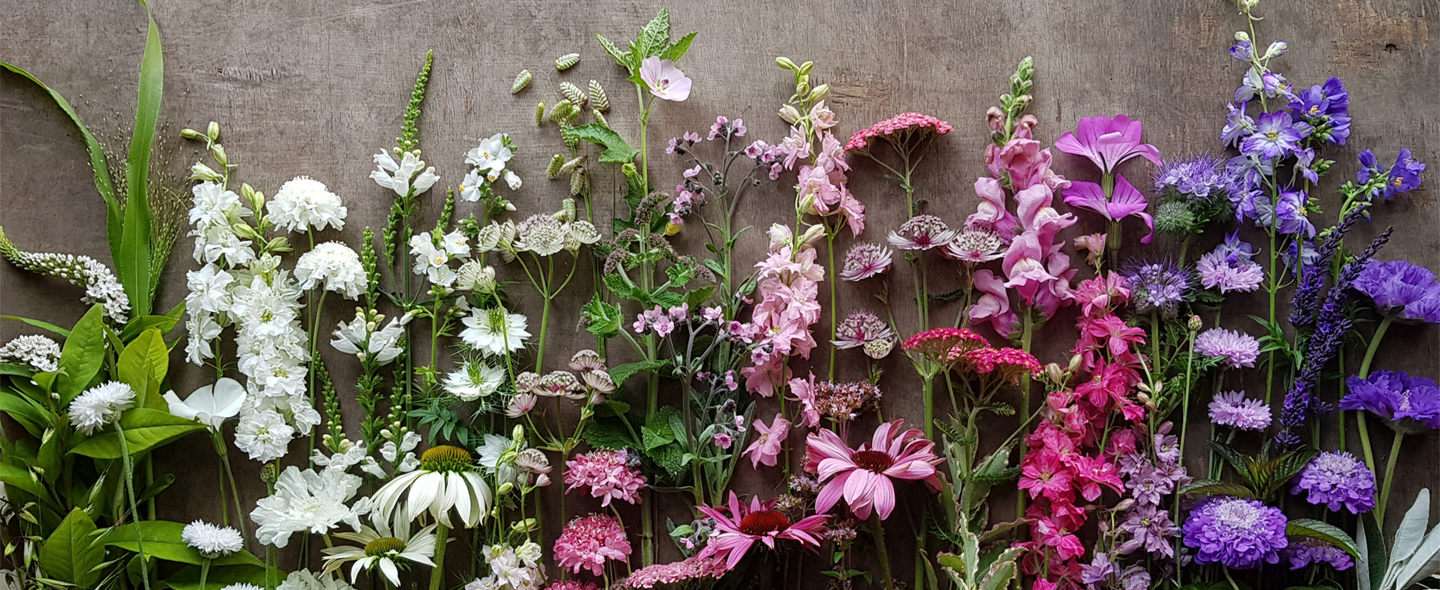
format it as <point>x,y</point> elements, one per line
<point>210,540</point>
<point>303,203</point>
<point>494,331</point>
<point>100,406</point>
<point>210,405</point>
<point>446,479</point>
<point>381,547</point>
<point>307,501</point>
<point>407,178</point>
<point>335,266</point>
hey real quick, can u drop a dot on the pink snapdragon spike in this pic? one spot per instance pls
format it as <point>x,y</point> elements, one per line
<point>991,213</point>
<point>739,526</point>
<point>994,304</point>
<point>767,446</point>
<point>1108,141</point>
<point>1034,265</point>
<point>864,477</point>
<point>1026,164</point>
<point>1125,201</point>
<point>664,80</point>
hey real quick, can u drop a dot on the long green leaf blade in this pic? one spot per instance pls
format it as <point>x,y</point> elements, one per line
<point>133,265</point>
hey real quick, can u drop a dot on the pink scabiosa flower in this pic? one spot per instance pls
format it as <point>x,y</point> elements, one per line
<point>588,542</point>
<point>922,232</point>
<point>769,441</point>
<point>664,80</point>
<point>864,330</point>
<point>1108,141</point>
<point>865,260</point>
<point>974,246</point>
<point>864,477</point>
<point>1230,267</point>
<point>607,474</point>
<point>678,574</point>
<point>738,527</point>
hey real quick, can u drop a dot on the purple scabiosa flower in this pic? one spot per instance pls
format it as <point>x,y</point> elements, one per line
<point>1400,289</point>
<point>1151,529</point>
<point>1238,125</point>
<point>1230,267</point>
<point>1306,552</point>
<point>1409,404</point>
<point>1275,135</point>
<point>1335,480</point>
<point>865,260</point>
<point>922,232</point>
<point>865,330</point>
<point>974,246</point>
<point>1233,409</point>
<point>1157,286</point>
<point>1235,532</point>
<point>1197,179</point>
<point>1235,349</point>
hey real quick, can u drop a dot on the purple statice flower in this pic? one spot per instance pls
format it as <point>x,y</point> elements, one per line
<point>1235,349</point>
<point>1233,409</point>
<point>1275,136</point>
<point>1334,479</point>
<point>1158,286</point>
<point>1235,532</point>
<point>1401,290</point>
<point>922,232</point>
<point>1409,404</point>
<point>1230,267</point>
<point>1151,529</point>
<point>865,260</point>
<point>1306,552</point>
<point>1198,179</point>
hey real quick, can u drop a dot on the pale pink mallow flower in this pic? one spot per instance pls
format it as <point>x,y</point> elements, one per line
<point>769,442</point>
<point>665,80</point>
<point>864,477</point>
<point>739,526</point>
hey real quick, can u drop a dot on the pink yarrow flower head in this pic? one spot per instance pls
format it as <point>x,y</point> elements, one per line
<point>940,343</point>
<point>1108,141</point>
<point>865,260</point>
<point>679,574</point>
<point>739,526</point>
<point>588,542</point>
<point>864,477</point>
<point>664,80</point>
<point>864,330</point>
<point>922,232</point>
<point>769,441</point>
<point>608,474</point>
<point>1124,201</point>
<point>1006,365</point>
<point>899,130</point>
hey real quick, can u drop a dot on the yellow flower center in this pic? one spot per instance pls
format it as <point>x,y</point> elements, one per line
<point>446,459</point>
<point>384,546</point>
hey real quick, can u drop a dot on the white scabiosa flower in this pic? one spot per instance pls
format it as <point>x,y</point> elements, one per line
<point>493,331</point>
<point>409,177</point>
<point>264,435</point>
<point>308,502</point>
<point>304,203</point>
<point>305,580</point>
<point>382,546</point>
<point>210,540</point>
<point>35,351</point>
<point>210,405</point>
<point>473,381</point>
<point>335,266</point>
<point>446,480</point>
<point>100,406</point>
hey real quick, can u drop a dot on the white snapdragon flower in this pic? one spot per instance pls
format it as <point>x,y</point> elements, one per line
<point>37,352</point>
<point>335,266</point>
<point>474,380</point>
<point>307,502</point>
<point>407,178</point>
<point>210,405</point>
<point>100,406</point>
<point>303,204</point>
<point>494,331</point>
<point>209,289</point>
<point>264,435</point>
<point>210,540</point>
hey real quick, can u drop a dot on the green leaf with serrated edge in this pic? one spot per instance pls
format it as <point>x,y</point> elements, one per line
<point>144,428</point>
<point>616,149</point>
<point>620,373</point>
<point>43,325</point>
<point>608,434</point>
<point>82,355</point>
<point>622,58</point>
<point>68,555</point>
<point>1208,487</point>
<point>621,286</point>
<point>1314,529</point>
<point>657,431</point>
<point>602,319</point>
<point>654,36</point>
<point>676,50</point>
<point>162,541</point>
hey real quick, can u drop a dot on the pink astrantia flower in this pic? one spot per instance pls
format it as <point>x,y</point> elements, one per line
<point>664,80</point>
<point>1108,141</point>
<point>769,442</point>
<point>1125,201</point>
<point>974,246</point>
<point>588,542</point>
<point>903,124</point>
<point>738,527</point>
<point>865,260</point>
<point>608,475</point>
<point>863,477</point>
<point>921,232</point>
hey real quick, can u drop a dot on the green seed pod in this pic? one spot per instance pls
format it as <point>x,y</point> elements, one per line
<point>540,113</point>
<point>567,61</point>
<point>553,171</point>
<point>561,111</point>
<point>571,164</point>
<point>598,100</point>
<point>573,94</point>
<point>521,81</point>
<point>599,117</point>
<point>578,181</point>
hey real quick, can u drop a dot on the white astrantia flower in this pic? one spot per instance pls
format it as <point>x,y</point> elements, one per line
<point>493,331</point>
<point>209,289</point>
<point>308,502</point>
<point>409,177</point>
<point>381,547</point>
<point>210,405</point>
<point>334,266</point>
<point>477,277</point>
<point>306,580</point>
<point>364,338</point>
<point>303,204</point>
<point>200,329</point>
<point>210,540</point>
<point>38,352</point>
<point>474,380</point>
<point>492,154</point>
<point>446,480</point>
<point>264,435</point>
<point>100,406</point>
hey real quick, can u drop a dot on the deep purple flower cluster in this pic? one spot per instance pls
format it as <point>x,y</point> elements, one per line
<point>1307,552</point>
<point>1401,290</point>
<point>1238,533</point>
<point>1197,179</point>
<point>1402,177</point>
<point>1306,302</point>
<point>1337,480</point>
<point>1158,286</point>
<point>1409,404</point>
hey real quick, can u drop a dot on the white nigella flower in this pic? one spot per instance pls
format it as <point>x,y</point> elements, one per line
<point>431,261</point>
<point>492,154</point>
<point>200,329</point>
<point>381,547</point>
<point>410,174</point>
<point>37,352</point>
<point>333,265</point>
<point>210,405</point>
<point>209,289</point>
<point>361,338</point>
<point>303,203</point>
<point>100,406</point>
<point>446,480</point>
<point>210,540</point>
<point>264,435</point>
<point>493,331</point>
<point>305,580</point>
<point>307,502</point>
<point>474,380</point>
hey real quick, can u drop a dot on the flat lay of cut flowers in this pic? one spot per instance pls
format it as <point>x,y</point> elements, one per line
<point>615,347</point>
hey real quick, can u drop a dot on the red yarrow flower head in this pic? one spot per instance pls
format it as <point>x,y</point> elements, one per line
<point>1008,364</point>
<point>900,128</point>
<point>864,477</point>
<point>739,526</point>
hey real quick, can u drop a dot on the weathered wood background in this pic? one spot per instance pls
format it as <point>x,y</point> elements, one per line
<point>316,87</point>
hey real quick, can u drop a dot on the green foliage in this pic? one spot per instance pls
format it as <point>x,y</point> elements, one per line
<point>145,429</point>
<point>1314,529</point>
<point>619,374</point>
<point>143,365</point>
<point>82,355</point>
<point>602,319</point>
<point>653,41</point>
<point>446,424</point>
<point>970,570</point>
<point>1414,554</point>
<point>616,149</point>
<point>609,434</point>
<point>1263,476</point>
<point>70,555</point>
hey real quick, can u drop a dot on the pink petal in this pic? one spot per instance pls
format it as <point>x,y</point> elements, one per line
<point>884,497</point>
<point>1088,195</point>
<point>831,493</point>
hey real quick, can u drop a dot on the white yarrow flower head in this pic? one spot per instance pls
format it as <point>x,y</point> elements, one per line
<point>494,331</point>
<point>303,204</point>
<point>334,266</point>
<point>408,177</point>
<point>308,502</point>
<point>38,352</point>
<point>446,480</point>
<point>210,540</point>
<point>210,405</point>
<point>264,435</point>
<point>385,546</point>
<point>306,580</point>
<point>491,155</point>
<point>100,406</point>
<point>474,380</point>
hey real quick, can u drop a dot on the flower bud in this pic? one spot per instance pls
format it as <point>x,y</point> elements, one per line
<point>203,173</point>
<point>1276,49</point>
<point>790,114</point>
<point>517,434</point>
<point>819,93</point>
<point>1125,504</point>
<point>1242,36</point>
<point>213,131</point>
<point>189,133</point>
<point>540,113</point>
<point>1054,374</point>
<point>270,473</point>
<point>218,152</point>
<point>1195,323</point>
<point>1075,361</point>
<point>785,62</point>
<point>505,488</point>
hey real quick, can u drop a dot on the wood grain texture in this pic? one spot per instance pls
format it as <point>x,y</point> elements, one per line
<point>316,87</point>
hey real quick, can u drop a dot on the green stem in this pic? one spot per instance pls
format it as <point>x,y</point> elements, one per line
<point>834,303</point>
<point>1025,334</point>
<point>204,570</point>
<point>878,532</point>
<point>928,388</point>
<point>1374,345</point>
<point>1389,477</point>
<point>1273,288</point>
<point>437,575</point>
<point>128,464</point>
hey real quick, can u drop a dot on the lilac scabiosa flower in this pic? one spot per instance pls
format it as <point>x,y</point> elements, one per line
<point>1233,409</point>
<point>1235,532</point>
<point>1275,135</point>
<point>1401,290</point>
<point>864,330</point>
<point>1196,179</point>
<point>922,232</point>
<point>1409,404</point>
<point>974,246</point>
<point>1230,267</point>
<point>1235,349</point>
<point>1335,480</point>
<point>1306,552</point>
<point>1157,286</point>
<point>865,260</point>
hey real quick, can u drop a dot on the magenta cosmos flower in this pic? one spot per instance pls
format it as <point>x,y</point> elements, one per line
<point>1125,200</point>
<point>1108,141</point>
<point>863,476</point>
<point>665,80</point>
<point>739,526</point>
